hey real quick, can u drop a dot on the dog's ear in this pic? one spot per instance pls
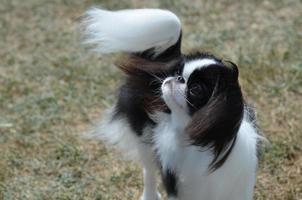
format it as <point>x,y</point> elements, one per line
<point>234,69</point>
<point>215,125</point>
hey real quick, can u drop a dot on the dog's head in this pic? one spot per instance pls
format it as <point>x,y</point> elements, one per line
<point>207,89</point>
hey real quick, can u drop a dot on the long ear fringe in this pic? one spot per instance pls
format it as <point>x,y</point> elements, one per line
<point>213,127</point>
<point>132,31</point>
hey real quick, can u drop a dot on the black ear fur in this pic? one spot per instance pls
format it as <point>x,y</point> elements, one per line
<point>233,67</point>
<point>216,124</point>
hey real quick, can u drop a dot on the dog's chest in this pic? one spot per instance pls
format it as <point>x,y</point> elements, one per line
<point>177,157</point>
<point>170,146</point>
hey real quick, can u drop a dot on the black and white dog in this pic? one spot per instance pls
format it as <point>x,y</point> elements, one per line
<point>181,114</point>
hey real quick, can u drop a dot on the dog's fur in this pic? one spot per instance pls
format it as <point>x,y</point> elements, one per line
<point>181,114</point>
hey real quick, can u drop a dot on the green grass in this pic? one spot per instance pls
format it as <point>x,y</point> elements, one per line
<point>52,91</point>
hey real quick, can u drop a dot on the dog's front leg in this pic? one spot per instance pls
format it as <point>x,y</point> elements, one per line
<point>149,172</point>
<point>150,189</point>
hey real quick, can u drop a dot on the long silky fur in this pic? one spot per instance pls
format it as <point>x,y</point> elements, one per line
<point>130,31</point>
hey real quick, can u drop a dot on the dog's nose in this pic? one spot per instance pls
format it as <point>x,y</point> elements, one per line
<point>180,79</point>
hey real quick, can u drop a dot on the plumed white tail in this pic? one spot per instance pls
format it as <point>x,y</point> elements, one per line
<point>131,31</point>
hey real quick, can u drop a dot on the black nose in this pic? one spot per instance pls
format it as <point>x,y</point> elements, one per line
<point>180,79</point>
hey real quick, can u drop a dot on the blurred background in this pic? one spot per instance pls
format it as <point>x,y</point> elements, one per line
<point>52,91</point>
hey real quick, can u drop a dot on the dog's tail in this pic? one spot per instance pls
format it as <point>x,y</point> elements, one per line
<point>150,33</point>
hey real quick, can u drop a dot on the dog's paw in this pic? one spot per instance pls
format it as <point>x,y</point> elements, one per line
<point>151,197</point>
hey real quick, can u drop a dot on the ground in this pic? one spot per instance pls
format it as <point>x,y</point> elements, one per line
<point>53,91</point>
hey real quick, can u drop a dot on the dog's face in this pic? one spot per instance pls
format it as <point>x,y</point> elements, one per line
<point>207,90</point>
<point>197,83</point>
<point>187,90</point>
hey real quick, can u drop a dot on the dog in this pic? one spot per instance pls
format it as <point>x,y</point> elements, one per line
<point>181,115</point>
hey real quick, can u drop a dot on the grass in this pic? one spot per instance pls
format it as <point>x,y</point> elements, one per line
<point>52,91</point>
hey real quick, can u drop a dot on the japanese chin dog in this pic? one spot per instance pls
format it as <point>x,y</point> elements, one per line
<point>181,115</point>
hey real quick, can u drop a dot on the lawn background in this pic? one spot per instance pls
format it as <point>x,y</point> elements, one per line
<point>52,90</point>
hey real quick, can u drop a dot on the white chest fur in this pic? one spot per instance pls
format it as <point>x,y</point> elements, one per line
<point>233,181</point>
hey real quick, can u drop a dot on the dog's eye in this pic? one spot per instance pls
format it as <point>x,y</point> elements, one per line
<point>197,89</point>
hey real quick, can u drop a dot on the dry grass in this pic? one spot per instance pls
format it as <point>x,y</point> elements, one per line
<point>52,90</point>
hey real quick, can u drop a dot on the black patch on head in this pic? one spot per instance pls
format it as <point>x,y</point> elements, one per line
<point>169,179</point>
<point>216,111</point>
<point>200,87</point>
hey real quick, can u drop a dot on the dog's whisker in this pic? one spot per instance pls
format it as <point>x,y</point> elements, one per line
<point>186,99</point>
<point>155,76</point>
